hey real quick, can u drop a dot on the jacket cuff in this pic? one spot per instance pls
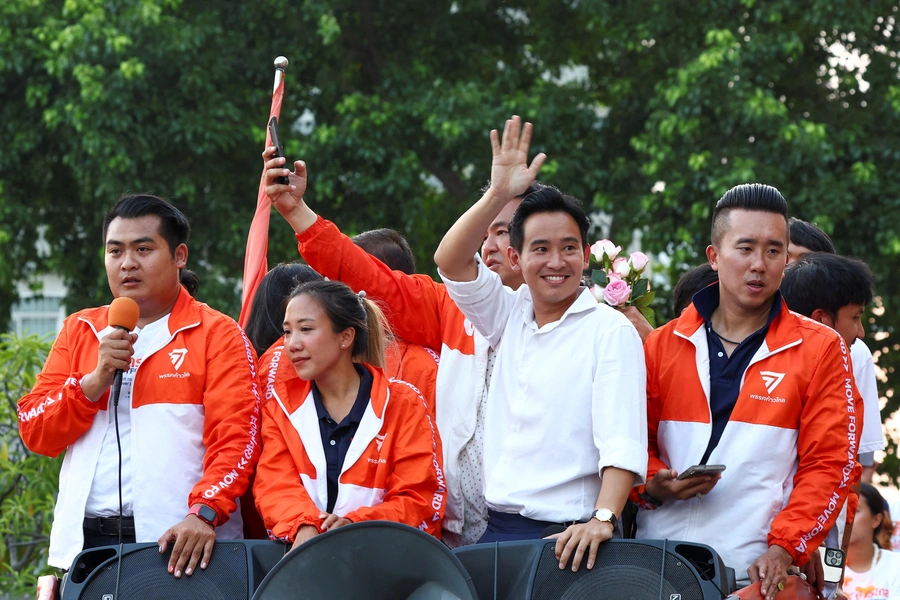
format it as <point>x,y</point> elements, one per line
<point>314,230</point>
<point>78,393</point>
<point>300,522</point>
<point>795,558</point>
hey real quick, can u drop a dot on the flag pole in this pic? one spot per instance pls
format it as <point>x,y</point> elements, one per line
<point>281,64</point>
<point>255,264</point>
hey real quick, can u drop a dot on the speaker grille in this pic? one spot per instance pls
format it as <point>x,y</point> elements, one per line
<point>623,572</point>
<point>144,577</point>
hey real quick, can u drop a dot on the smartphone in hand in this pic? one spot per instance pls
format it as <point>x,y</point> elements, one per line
<point>279,147</point>
<point>700,471</point>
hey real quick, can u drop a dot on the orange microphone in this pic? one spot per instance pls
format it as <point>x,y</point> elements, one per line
<point>123,314</point>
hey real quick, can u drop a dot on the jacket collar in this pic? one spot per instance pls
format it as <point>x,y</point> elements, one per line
<point>185,313</point>
<point>585,301</point>
<point>301,390</point>
<point>783,330</point>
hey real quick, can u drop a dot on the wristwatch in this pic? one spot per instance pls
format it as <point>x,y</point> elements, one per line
<point>604,515</point>
<point>204,513</point>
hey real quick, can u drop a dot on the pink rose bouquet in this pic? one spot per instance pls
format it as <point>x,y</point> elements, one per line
<point>618,279</point>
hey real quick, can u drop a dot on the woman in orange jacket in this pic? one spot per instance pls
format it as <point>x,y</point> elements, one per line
<point>341,441</point>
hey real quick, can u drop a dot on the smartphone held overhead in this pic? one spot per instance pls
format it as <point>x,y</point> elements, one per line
<point>279,147</point>
<point>700,471</point>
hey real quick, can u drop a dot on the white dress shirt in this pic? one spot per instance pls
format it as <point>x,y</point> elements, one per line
<point>566,400</point>
<point>864,373</point>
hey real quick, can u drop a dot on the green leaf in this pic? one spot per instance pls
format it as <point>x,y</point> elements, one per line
<point>648,314</point>
<point>598,276</point>
<point>640,287</point>
<point>644,300</point>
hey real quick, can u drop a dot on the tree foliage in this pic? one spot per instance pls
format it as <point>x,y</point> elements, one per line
<point>28,482</point>
<point>649,111</point>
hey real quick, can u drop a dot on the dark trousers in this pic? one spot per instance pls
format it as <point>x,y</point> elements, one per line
<point>105,532</point>
<point>507,527</point>
<point>93,539</point>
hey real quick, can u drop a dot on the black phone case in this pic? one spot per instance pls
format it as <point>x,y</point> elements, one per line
<point>279,147</point>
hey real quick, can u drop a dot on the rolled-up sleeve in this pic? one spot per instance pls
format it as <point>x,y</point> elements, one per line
<point>620,402</point>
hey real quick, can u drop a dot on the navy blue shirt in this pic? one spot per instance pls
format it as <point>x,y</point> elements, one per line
<point>336,437</point>
<point>726,372</point>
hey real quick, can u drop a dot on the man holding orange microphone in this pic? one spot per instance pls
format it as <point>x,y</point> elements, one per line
<point>153,399</point>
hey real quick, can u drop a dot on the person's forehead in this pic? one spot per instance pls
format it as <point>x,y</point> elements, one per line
<point>306,306</point>
<point>506,214</point>
<point>798,250</point>
<point>125,230</point>
<point>550,224</point>
<point>852,309</point>
<point>744,223</point>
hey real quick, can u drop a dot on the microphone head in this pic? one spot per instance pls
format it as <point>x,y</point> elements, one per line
<point>124,312</point>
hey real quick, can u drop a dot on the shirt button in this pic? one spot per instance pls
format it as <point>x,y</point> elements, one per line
<point>720,354</point>
<point>332,442</point>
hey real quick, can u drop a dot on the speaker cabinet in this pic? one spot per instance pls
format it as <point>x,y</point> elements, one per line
<point>624,570</point>
<point>234,572</point>
<point>371,560</point>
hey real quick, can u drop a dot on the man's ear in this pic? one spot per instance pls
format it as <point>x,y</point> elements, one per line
<point>513,258</point>
<point>181,256</point>
<point>587,258</point>
<point>712,255</point>
<point>821,315</point>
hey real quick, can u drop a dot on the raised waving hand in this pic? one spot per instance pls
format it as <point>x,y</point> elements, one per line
<point>510,173</point>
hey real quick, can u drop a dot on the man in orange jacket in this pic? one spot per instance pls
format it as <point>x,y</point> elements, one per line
<point>737,379</point>
<point>188,415</point>
<point>419,310</point>
<point>406,361</point>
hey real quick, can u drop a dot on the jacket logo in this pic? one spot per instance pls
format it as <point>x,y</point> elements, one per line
<point>771,379</point>
<point>379,441</point>
<point>177,357</point>
<point>470,329</point>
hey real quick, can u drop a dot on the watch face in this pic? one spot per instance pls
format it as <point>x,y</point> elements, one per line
<point>207,514</point>
<point>603,514</point>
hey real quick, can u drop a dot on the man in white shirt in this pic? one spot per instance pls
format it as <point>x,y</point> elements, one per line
<point>565,423</point>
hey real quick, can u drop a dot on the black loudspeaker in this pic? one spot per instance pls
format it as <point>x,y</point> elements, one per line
<point>371,560</point>
<point>624,570</point>
<point>234,572</point>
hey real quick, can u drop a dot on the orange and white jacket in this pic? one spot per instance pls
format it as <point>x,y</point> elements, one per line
<point>416,365</point>
<point>392,470</point>
<point>194,419</point>
<point>420,311</point>
<point>789,447</point>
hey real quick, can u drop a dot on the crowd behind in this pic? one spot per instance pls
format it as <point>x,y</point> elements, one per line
<point>504,403</point>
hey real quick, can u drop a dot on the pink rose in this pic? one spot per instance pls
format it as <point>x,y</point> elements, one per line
<point>617,292</point>
<point>605,246</point>
<point>638,261</point>
<point>610,277</point>
<point>621,267</point>
<point>597,292</point>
